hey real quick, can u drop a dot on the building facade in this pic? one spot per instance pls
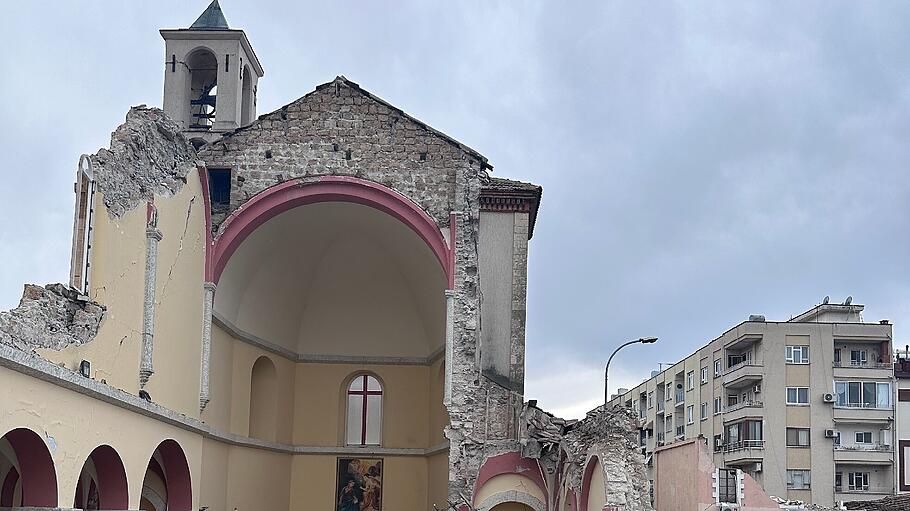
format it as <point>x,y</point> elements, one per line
<point>319,308</point>
<point>805,406</point>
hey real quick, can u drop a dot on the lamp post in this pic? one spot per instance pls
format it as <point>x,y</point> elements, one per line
<point>643,340</point>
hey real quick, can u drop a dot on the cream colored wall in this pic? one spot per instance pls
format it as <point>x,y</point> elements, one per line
<point>178,298</point>
<point>72,420</point>
<point>510,482</point>
<point>597,494</point>
<point>321,387</point>
<point>438,480</point>
<point>243,358</point>
<point>313,480</point>
<point>118,282</point>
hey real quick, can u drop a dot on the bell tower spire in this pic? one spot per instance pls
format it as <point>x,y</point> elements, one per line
<point>210,78</point>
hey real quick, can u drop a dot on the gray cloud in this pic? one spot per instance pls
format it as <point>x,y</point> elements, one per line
<point>700,161</point>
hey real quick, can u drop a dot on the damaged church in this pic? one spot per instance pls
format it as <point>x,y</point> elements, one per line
<point>318,308</point>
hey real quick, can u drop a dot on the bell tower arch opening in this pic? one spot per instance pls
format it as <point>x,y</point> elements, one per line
<point>203,83</point>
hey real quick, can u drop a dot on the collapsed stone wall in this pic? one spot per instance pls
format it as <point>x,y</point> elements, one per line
<point>52,316</point>
<point>565,447</point>
<point>148,156</point>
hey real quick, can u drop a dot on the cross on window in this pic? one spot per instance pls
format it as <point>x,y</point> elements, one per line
<point>364,411</point>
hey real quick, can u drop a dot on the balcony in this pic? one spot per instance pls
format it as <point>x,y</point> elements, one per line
<point>660,406</point>
<point>861,413</point>
<point>743,374</point>
<point>870,493</point>
<point>846,369</point>
<point>743,410</point>
<point>742,451</point>
<point>862,454</point>
<point>680,432</point>
<point>680,397</point>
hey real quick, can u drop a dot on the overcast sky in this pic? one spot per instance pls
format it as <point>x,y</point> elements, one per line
<point>700,161</point>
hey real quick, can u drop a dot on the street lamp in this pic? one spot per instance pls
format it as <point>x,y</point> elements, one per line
<point>643,340</point>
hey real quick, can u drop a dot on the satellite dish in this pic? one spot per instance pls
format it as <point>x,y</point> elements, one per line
<point>848,301</point>
<point>826,300</point>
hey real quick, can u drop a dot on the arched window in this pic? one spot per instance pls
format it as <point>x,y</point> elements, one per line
<point>364,411</point>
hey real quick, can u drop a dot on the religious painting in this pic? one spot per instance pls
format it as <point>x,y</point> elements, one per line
<point>359,484</point>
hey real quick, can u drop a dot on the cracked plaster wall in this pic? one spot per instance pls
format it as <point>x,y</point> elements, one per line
<point>148,161</point>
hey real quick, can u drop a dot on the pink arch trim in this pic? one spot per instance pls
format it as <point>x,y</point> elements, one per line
<point>511,463</point>
<point>177,477</point>
<point>297,192</point>
<point>113,490</point>
<point>39,479</point>
<point>586,484</point>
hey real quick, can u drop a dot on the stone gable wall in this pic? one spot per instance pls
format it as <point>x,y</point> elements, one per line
<point>340,130</point>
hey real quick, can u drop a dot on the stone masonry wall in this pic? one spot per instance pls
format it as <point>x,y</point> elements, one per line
<point>340,129</point>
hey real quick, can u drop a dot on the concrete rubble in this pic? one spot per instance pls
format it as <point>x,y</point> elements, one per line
<point>148,156</point>
<point>52,316</point>
<point>567,445</point>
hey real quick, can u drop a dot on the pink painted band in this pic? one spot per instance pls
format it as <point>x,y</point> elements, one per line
<point>512,463</point>
<point>295,193</point>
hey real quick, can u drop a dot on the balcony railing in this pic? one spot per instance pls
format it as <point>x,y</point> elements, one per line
<point>680,396</point>
<point>743,404</point>
<point>744,363</point>
<point>660,406</point>
<point>660,437</point>
<point>864,447</point>
<point>856,364</point>
<point>885,490</point>
<point>871,406</point>
<point>742,445</point>
<point>680,431</point>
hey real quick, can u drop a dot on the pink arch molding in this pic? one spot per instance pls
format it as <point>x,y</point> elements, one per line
<point>291,194</point>
<point>36,468</point>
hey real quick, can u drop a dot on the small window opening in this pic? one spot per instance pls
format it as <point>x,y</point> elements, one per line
<point>220,190</point>
<point>727,486</point>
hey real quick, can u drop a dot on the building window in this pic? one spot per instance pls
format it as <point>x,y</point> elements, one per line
<point>669,392</point>
<point>704,375</point>
<point>717,405</point>
<point>797,437</point>
<point>704,411</point>
<point>650,400</point>
<point>718,367</point>
<point>690,380</point>
<point>727,486</point>
<point>864,437</point>
<point>797,395</point>
<point>797,354</point>
<point>838,481</point>
<point>858,481</point>
<point>364,411</point>
<point>83,221</point>
<point>863,394</point>
<point>220,189</point>
<point>690,414</point>
<point>798,480</point>
<point>858,357</point>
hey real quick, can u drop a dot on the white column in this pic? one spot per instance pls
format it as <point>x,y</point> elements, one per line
<point>450,344</point>
<point>153,236</point>
<point>207,303</point>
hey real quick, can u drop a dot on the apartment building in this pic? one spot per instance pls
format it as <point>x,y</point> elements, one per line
<point>805,406</point>
<point>902,417</point>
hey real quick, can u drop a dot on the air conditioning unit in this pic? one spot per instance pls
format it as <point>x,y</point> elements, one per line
<point>758,467</point>
<point>757,389</point>
<point>830,433</point>
<point>828,397</point>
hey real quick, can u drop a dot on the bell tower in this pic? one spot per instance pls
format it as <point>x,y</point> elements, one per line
<point>210,77</point>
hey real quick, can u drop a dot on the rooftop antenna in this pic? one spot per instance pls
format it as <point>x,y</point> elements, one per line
<point>848,301</point>
<point>826,300</point>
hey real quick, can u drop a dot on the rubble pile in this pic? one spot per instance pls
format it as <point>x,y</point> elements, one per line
<point>893,503</point>
<point>52,316</point>
<point>148,156</point>
<point>567,445</point>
